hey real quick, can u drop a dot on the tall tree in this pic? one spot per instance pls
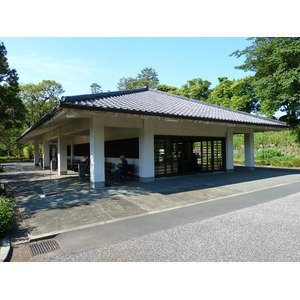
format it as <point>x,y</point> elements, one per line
<point>222,93</point>
<point>169,89</point>
<point>128,83</point>
<point>95,88</point>
<point>147,77</point>
<point>39,99</point>
<point>196,89</point>
<point>11,106</point>
<point>276,63</point>
<point>235,94</point>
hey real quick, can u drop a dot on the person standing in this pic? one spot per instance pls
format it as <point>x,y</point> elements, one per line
<point>30,155</point>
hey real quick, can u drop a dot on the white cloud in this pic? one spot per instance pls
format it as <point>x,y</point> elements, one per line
<point>48,66</point>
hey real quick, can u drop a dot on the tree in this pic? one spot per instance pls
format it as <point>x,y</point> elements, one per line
<point>276,63</point>
<point>147,77</point>
<point>196,89</point>
<point>169,89</point>
<point>235,94</point>
<point>128,83</point>
<point>95,88</point>
<point>39,99</point>
<point>11,106</point>
<point>222,93</point>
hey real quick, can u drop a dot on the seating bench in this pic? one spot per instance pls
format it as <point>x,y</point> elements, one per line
<point>130,172</point>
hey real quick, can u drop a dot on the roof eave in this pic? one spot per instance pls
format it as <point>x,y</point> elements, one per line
<point>137,112</point>
<point>45,118</point>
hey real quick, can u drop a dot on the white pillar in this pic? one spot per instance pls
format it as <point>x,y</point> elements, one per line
<point>249,149</point>
<point>62,156</point>
<point>229,150</point>
<point>36,153</point>
<point>72,151</point>
<point>146,152</point>
<point>97,159</point>
<point>46,155</point>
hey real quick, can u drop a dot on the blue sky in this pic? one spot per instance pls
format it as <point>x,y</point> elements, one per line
<point>77,62</point>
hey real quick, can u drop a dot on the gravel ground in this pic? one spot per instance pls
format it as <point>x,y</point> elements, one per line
<point>267,232</point>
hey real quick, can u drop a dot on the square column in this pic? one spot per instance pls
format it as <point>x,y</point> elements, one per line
<point>36,153</point>
<point>249,149</point>
<point>229,150</point>
<point>62,156</point>
<point>146,151</point>
<point>72,151</point>
<point>97,159</point>
<point>46,155</point>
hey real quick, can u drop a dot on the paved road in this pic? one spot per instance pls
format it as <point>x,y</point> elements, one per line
<point>260,226</point>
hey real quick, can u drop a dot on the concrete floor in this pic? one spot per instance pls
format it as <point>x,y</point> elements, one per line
<point>71,204</point>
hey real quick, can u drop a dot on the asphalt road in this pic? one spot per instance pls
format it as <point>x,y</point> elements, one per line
<point>260,226</point>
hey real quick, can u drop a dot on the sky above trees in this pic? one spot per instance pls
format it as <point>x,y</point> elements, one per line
<point>76,63</point>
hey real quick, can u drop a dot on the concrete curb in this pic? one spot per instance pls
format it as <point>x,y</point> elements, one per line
<point>5,248</point>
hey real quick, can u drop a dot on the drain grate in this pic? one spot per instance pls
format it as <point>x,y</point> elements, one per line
<point>43,247</point>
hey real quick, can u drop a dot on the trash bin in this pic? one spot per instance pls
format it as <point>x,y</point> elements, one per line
<point>81,170</point>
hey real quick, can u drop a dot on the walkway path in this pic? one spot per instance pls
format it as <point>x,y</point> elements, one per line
<point>71,204</point>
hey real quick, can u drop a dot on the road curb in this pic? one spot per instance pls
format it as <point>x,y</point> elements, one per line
<point>5,248</point>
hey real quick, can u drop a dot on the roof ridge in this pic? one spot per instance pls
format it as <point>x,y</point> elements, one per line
<point>85,97</point>
<point>218,106</point>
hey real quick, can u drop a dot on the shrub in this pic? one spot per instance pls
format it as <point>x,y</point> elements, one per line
<point>296,162</point>
<point>268,153</point>
<point>7,217</point>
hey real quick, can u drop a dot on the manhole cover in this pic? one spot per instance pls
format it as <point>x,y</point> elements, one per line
<point>43,247</point>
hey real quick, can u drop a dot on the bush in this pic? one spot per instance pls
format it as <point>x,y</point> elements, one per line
<point>7,217</point>
<point>296,162</point>
<point>268,153</point>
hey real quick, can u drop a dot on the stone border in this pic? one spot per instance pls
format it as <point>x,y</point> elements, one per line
<point>5,248</point>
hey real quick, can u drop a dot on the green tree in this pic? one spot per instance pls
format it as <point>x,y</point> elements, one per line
<point>235,94</point>
<point>276,63</point>
<point>39,99</point>
<point>95,88</point>
<point>196,89</point>
<point>222,93</point>
<point>11,107</point>
<point>147,77</point>
<point>169,89</point>
<point>128,83</point>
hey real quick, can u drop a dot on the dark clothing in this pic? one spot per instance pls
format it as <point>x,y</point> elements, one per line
<point>125,165</point>
<point>87,163</point>
<point>120,171</point>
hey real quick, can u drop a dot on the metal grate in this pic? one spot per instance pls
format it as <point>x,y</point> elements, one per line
<point>43,247</point>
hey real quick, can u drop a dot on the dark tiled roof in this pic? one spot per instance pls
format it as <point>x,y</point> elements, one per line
<point>152,102</point>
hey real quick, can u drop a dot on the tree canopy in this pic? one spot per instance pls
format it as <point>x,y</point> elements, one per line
<point>196,88</point>
<point>11,106</point>
<point>147,77</point>
<point>95,88</point>
<point>276,63</point>
<point>39,99</point>
<point>235,94</point>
